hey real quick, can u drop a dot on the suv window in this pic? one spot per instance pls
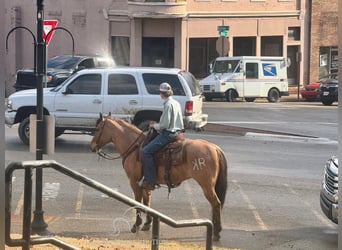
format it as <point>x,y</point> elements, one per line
<point>192,83</point>
<point>153,80</point>
<point>86,85</point>
<point>87,63</point>
<point>122,84</point>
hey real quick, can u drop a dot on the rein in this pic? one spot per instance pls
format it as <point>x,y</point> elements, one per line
<point>130,149</point>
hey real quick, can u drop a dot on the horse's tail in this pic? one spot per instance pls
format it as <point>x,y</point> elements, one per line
<point>221,181</point>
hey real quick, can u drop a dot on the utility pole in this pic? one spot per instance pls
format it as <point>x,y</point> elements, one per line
<point>38,224</point>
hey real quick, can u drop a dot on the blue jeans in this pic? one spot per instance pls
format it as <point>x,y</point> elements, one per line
<point>148,164</point>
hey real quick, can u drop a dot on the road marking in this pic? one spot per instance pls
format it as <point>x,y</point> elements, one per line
<point>78,206</point>
<point>19,204</point>
<point>257,216</point>
<point>192,203</point>
<point>272,123</point>
<point>318,215</point>
<point>50,191</point>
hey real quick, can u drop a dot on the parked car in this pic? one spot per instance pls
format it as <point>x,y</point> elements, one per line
<point>310,91</point>
<point>328,91</point>
<point>125,92</point>
<point>329,191</point>
<point>60,68</point>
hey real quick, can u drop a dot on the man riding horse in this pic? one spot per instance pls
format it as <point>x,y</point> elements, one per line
<point>169,126</point>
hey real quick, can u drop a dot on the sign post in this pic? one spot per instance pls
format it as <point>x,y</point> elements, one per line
<point>223,32</point>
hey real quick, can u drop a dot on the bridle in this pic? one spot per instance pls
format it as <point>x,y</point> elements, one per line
<point>129,150</point>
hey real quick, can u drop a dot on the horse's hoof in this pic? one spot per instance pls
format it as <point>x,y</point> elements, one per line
<point>135,229</point>
<point>146,227</point>
<point>216,237</point>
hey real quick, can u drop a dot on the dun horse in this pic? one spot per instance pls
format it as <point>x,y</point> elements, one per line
<point>203,161</point>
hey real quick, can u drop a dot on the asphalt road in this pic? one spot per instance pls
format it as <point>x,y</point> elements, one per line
<point>273,184</point>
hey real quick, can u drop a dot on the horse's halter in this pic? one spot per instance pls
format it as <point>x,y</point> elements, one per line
<point>129,150</point>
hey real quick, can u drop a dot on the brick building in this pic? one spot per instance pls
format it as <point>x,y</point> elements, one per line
<point>324,38</point>
<point>177,33</point>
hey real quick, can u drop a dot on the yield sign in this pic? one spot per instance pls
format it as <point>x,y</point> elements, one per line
<point>48,26</point>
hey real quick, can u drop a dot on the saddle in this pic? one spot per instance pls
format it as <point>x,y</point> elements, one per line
<point>169,156</point>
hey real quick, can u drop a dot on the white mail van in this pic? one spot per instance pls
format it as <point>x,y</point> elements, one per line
<point>247,77</point>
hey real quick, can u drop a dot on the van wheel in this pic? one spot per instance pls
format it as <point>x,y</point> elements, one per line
<point>231,95</point>
<point>250,99</point>
<point>24,131</point>
<point>273,95</point>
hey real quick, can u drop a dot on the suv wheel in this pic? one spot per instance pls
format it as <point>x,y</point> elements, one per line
<point>327,102</point>
<point>24,131</point>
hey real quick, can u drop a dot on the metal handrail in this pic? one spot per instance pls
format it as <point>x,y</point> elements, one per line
<point>26,241</point>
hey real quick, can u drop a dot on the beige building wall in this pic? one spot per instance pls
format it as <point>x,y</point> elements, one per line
<point>184,20</point>
<point>94,23</point>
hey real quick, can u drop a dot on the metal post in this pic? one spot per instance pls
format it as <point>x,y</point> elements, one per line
<point>27,206</point>
<point>38,224</point>
<point>155,233</point>
<point>222,51</point>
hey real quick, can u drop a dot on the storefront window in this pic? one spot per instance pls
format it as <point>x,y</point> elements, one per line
<point>120,50</point>
<point>272,46</point>
<point>328,61</point>
<point>244,46</point>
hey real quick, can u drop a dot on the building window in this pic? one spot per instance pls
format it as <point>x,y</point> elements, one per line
<point>120,50</point>
<point>244,46</point>
<point>293,33</point>
<point>328,61</point>
<point>158,51</point>
<point>201,53</point>
<point>272,46</point>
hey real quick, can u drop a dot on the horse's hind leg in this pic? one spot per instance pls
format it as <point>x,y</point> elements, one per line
<point>216,211</point>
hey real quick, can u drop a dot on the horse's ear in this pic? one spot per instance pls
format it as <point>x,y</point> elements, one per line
<point>101,117</point>
<point>109,114</point>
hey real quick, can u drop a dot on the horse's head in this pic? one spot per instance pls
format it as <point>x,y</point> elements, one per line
<point>101,136</point>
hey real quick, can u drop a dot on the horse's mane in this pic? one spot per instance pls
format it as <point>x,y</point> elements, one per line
<point>127,124</point>
<point>124,123</point>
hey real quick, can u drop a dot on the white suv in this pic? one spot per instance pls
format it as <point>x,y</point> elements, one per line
<point>126,92</point>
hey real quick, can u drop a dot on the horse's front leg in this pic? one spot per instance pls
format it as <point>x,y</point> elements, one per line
<point>138,222</point>
<point>138,196</point>
<point>147,202</point>
<point>145,196</point>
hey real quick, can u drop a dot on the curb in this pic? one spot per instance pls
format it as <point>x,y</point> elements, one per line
<point>213,127</point>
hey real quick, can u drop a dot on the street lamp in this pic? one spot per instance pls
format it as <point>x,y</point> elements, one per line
<point>38,224</point>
